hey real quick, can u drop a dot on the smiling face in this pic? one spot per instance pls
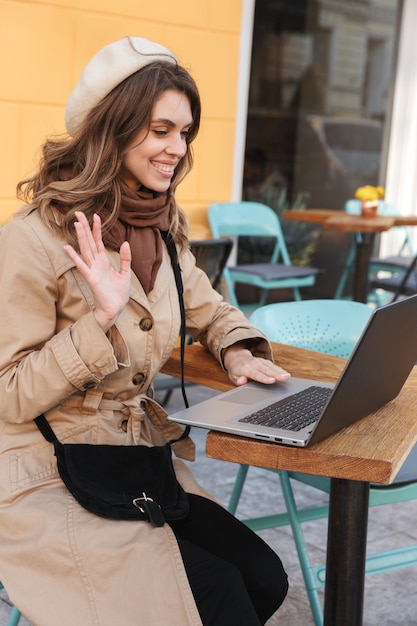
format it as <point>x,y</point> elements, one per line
<point>151,158</point>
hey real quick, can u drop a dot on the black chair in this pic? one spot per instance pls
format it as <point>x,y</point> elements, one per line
<point>211,256</point>
<point>403,280</point>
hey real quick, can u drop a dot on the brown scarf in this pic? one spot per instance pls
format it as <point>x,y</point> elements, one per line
<point>142,216</point>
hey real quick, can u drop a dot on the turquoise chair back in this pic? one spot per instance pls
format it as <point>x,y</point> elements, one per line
<point>328,326</point>
<point>353,207</point>
<point>235,219</point>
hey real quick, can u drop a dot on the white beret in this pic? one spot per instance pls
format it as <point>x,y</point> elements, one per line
<point>107,69</point>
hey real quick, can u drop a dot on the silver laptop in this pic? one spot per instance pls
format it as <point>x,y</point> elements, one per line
<point>375,374</point>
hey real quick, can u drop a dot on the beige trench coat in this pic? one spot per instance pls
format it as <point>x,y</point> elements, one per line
<point>59,563</point>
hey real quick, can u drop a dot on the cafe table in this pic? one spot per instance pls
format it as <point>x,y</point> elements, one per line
<point>367,227</point>
<point>371,450</point>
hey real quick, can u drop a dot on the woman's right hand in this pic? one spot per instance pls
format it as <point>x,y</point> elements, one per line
<point>110,288</point>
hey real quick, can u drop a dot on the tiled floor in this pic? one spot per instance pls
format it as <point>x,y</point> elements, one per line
<point>389,597</point>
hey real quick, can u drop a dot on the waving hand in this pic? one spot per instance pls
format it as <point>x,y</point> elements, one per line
<point>110,288</point>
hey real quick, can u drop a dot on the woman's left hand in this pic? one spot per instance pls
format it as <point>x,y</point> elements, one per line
<point>242,367</point>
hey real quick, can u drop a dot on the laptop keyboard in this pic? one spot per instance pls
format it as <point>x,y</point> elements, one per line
<point>292,413</point>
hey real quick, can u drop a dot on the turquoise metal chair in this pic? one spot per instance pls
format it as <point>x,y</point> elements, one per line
<point>396,264</point>
<point>332,327</point>
<point>15,615</point>
<point>239,219</point>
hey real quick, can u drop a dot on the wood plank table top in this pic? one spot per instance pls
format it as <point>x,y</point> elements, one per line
<point>332,219</point>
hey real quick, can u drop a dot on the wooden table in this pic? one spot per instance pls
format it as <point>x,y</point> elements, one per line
<point>367,227</point>
<point>371,450</point>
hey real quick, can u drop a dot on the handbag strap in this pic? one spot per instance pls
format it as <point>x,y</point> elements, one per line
<point>166,236</point>
<point>45,428</point>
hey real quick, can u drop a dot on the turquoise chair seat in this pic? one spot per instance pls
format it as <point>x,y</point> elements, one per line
<point>332,327</point>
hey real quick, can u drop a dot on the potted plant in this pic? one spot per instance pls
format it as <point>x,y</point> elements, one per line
<point>369,197</point>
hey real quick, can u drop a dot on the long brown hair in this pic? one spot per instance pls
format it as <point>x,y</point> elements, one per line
<point>81,173</point>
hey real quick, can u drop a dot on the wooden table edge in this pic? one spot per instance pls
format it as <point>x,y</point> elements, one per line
<point>338,456</point>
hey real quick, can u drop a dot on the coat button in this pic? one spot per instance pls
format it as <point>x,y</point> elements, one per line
<point>90,384</point>
<point>138,378</point>
<point>145,324</point>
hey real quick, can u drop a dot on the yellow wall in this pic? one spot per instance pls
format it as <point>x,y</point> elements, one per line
<point>45,45</point>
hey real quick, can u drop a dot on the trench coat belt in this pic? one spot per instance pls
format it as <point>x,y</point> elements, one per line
<point>138,406</point>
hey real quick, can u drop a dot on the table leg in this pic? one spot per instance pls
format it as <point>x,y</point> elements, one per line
<point>346,553</point>
<point>362,258</point>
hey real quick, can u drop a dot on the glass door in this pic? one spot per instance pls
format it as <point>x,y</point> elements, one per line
<point>318,118</point>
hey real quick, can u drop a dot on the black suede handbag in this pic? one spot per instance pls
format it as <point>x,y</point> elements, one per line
<point>126,482</point>
<point>120,482</point>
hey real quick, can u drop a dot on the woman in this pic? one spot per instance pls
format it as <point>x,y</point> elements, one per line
<point>83,337</point>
